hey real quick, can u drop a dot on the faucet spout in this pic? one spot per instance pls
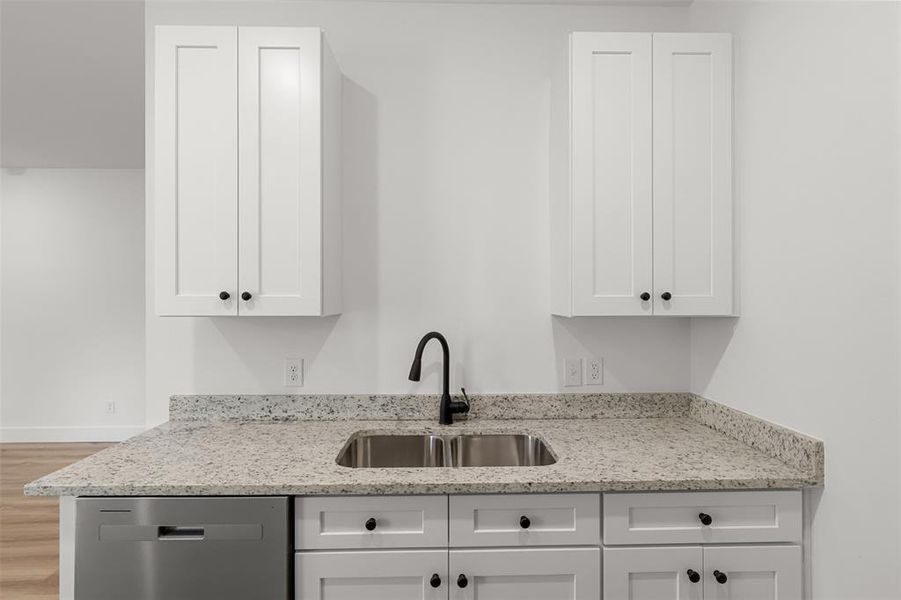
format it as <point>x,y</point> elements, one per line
<point>447,407</point>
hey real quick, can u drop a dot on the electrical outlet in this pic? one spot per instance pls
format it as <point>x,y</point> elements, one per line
<point>572,372</point>
<point>594,371</point>
<point>294,372</point>
<point>110,407</point>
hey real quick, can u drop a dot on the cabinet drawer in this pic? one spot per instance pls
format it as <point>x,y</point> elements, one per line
<point>393,522</point>
<point>525,520</point>
<point>679,517</point>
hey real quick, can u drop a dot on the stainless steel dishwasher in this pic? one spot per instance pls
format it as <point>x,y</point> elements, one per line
<point>182,548</point>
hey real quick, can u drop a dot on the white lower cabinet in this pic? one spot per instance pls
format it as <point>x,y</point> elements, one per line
<point>525,574</point>
<point>703,573</point>
<point>371,574</point>
<point>741,545</point>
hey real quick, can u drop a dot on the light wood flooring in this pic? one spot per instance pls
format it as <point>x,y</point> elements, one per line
<point>29,536</point>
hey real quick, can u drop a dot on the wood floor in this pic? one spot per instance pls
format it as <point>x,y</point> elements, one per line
<point>29,537</point>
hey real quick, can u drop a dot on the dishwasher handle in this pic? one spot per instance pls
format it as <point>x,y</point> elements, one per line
<point>178,532</point>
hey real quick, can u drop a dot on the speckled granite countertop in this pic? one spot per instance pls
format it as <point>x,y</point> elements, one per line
<point>693,444</point>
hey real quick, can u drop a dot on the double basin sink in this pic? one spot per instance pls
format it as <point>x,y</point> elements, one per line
<point>377,450</point>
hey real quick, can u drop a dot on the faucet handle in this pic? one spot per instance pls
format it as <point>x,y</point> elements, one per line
<point>465,398</point>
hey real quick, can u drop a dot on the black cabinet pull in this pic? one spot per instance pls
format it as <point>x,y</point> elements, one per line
<point>525,522</point>
<point>705,519</point>
<point>720,577</point>
<point>246,296</point>
<point>435,581</point>
<point>370,524</point>
<point>224,295</point>
<point>462,581</point>
<point>645,296</point>
<point>666,296</point>
<point>694,576</point>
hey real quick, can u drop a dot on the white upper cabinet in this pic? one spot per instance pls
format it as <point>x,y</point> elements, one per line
<point>641,176</point>
<point>246,172</point>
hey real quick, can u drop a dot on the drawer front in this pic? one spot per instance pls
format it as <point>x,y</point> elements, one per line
<point>680,517</point>
<point>525,520</point>
<point>394,522</point>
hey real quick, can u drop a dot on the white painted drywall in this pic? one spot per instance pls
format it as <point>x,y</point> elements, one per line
<point>445,215</point>
<point>73,304</point>
<point>816,347</point>
<point>71,80</point>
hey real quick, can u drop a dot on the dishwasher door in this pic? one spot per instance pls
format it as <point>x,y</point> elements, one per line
<point>182,548</point>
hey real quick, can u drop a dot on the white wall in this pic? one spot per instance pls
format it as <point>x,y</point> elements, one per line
<point>446,117</point>
<point>72,299</point>
<point>816,347</point>
<point>71,323</point>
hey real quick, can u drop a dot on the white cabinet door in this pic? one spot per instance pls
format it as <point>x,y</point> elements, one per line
<point>373,575</point>
<point>653,573</point>
<point>280,165</point>
<point>525,574</point>
<point>752,573</point>
<point>195,177</point>
<point>611,173</point>
<point>693,260</point>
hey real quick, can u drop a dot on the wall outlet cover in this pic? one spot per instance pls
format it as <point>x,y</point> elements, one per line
<point>294,372</point>
<point>594,371</point>
<point>572,372</point>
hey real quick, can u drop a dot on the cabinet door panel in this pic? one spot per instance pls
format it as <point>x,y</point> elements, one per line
<point>195,172</point>
<point>373,575</point>
<point>526,574</point>
<point>280,166</point>
<point>753,573</point>
<point>611,173</point>
<point>693,174</point>
<point>652,573</point>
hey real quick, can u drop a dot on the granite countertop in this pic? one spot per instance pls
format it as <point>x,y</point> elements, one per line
<point>686,443</point>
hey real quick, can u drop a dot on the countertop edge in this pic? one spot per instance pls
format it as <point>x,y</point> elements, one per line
<point>429,489</point>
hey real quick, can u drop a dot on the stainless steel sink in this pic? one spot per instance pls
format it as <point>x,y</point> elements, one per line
<point>500,450</point>
<point>375,450</point>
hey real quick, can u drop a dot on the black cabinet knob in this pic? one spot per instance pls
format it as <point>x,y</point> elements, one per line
<point>694,576</point>
<point>224,295</point>
<point>370,524</point>
<point>666,296</point>
<point>246,296</point>
<point>525,522</point>
<point>720,577</point>
<point>705,519</point>
<point>462,581</point>
<point>435,581</point>
<point>645,296</point>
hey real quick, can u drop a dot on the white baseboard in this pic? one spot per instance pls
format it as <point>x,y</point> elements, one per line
<point>69,434</point>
